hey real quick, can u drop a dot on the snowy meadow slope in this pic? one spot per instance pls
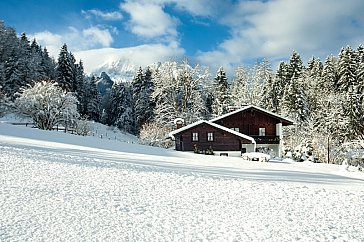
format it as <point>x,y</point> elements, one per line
<point>56,186</point>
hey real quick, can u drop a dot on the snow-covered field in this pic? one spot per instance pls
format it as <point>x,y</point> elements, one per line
<point>61,187</point>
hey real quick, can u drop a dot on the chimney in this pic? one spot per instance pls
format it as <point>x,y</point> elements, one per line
<point>179,122</point>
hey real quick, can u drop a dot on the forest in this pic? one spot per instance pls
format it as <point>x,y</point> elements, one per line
<point>324,98</point>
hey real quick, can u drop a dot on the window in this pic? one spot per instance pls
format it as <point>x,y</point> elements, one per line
<point>210,136</point>
<point>194,136</point>
<point>261,131</point>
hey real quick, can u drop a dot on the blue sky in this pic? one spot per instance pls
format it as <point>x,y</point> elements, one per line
<point>214,33</point>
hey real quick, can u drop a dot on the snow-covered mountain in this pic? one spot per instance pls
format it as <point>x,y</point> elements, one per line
<point>122,64</point>
<point>118,70</point>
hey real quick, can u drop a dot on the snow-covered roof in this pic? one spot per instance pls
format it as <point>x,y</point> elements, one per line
<point>255,107</point>
<point>171,134</point>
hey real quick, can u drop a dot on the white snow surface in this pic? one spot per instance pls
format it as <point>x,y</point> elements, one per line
<point>62,187</point>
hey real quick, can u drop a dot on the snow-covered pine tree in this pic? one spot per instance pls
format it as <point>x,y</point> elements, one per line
<point>92,100</point>
<point>328,113</point>
<point>24,61</point>
<point>295,67</point>
<point>114,107</point>
<point>221,100</point>
<point>8,41</point>
<point>79,88</point>
<point>314,68</point>
<point>295,104</point>
<point>118,111</point>
<point>190,88</point>
<point>35,60</point>
<point>125,119</point>
<point>66,70</point>
<point>295,99</point>
<point>271,98</point>
<point>138,98</point>
<point>142,88</point>
<point>360,69</point>
<point>17,72</point>
<point>261,74</point>
<point>4,103</point>
<point>149,89</point>
<point>279,84</point>
<point>354,110</point>
<point>329,77</point>
<point>239,87</point>
<point>312,83</point>
<point>48,64</point>
<point>11,76</point>
<point>347,69</point>
<point>165,94</point>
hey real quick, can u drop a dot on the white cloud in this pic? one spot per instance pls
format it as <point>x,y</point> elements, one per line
<point>109,16</point>
<point>142,55</point>
<point>76,40</point>
<point>273,29</point>
<point>149,20</point>
<point>97,36</point>
<point>201,7</point>
<point>53,42</point>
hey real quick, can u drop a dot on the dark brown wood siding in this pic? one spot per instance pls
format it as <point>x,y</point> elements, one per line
<point>249,121</point>
<point>223,140</point>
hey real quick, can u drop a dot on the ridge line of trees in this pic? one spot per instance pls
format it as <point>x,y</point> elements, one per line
<point>325,98</point>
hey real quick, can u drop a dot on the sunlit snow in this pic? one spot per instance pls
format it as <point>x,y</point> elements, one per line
<point>56,186</point>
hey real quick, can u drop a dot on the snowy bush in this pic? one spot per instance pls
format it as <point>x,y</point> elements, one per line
<point>155,135</point>
<point>355,153</point>
<point>83,126</point>
<point>48,105</point>
<point>2,104</point>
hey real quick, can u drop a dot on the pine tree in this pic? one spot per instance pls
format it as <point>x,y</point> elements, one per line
<point>165,94</point>
<point>79,88</point>
<point>271,95</point>
<point>66,70</point>
<point>21,62</point>
<point>92,100</point>
<point>118,111</point>
<point>260,76</point>
<point>295,102</point>
<point>360,69</point>
<point>138,98</point>
<point>354,110</point>
<point>125,119</point>
<point>279,84</point>
<point>295,67</point>
<point>347,69</point>
<point>48,64</point>
<point>329,76</point>
<point>8,42</point>
<point>189,85</point>
<point>239,87</point>
<point>313,83</point>
<point>11,76</point>
<point>142,87</point>
<point>221,101</point>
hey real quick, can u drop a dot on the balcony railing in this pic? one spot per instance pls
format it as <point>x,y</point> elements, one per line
<point>266,139</point>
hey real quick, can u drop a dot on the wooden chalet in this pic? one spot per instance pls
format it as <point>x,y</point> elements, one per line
<point>247,129</point>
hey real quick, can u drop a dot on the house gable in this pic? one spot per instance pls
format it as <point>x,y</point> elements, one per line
<point>253,121</point>
<point>275,118</point>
